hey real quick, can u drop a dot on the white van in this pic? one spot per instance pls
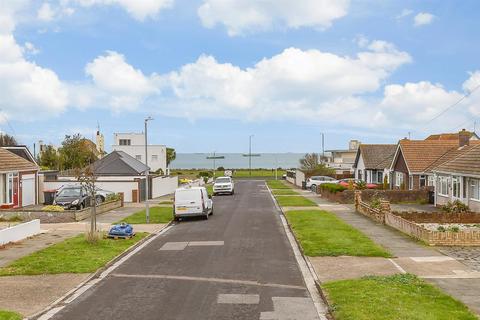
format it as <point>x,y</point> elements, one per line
<point>192,202</point>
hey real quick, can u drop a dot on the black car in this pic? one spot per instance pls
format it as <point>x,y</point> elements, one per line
<point>74,198</point>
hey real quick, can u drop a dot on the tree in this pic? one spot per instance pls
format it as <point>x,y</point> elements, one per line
<point>49,158</point>
<point>171,155</point>
<point>87,178</point>
<point>7,140</point>
<point>309,161</point>
<point>76,152</point>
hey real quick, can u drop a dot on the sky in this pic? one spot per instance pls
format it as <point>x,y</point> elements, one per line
<point>213,72</point>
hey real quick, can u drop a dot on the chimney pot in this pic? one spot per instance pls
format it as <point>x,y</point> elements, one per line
<point>463,138</point>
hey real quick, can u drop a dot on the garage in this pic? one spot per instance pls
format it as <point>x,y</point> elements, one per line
<point>28,190</point>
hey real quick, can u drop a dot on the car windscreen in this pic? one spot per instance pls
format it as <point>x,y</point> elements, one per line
<point>187,195</point>
<point>222,180</point>
<point>70,192</point>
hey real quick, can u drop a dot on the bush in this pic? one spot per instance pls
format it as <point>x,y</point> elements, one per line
<point>455,207</point>
<point>52,208</point>
<point>332,187</point>
<point>454,229</point>
<point>113,197</point>
<point>220,169</point>
<point>441,229</point>
<point>376,201</point>
<point>361,185</point>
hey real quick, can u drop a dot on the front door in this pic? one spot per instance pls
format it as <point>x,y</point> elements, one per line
<point>15,191</point>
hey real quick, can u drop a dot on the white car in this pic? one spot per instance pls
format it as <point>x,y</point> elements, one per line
<point>314,181</point>
<point>223,185</point>
<point>192,202</point>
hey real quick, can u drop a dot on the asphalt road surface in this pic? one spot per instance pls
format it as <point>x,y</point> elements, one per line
<point>238,264</point>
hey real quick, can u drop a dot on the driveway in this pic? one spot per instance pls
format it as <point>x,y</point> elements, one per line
<point>237,265</point>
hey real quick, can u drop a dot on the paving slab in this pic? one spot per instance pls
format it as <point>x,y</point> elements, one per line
<point>342,268</point>
<point>28,295</point>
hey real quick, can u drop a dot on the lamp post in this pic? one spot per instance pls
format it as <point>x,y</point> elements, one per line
<point>147,209</point>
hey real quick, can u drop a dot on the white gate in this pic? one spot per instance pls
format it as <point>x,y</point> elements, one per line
<point>28,190</point>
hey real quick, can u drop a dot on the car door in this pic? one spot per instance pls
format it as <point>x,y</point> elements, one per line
<point>207,200</point>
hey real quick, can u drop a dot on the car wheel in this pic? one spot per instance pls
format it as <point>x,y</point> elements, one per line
<point>81,206</point>
<point>313,188</point>
<point>98,200</point>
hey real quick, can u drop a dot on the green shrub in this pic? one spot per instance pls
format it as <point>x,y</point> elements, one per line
<point>113,197</point>
<point>52,208</point>
<point>332,187</point>
<point>441,229</point>
<point>11,219</point>
<point>455,207</point>
<point>361,185</point>
<point>454,229</point>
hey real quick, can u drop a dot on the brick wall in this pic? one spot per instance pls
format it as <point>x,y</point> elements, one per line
<point>393,196</point>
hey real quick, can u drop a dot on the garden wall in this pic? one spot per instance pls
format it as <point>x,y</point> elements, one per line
<point>346,196</point>
<point>393,196</point>
<point>59,217</point>
<point>19,232</point>
<point>439,217</point>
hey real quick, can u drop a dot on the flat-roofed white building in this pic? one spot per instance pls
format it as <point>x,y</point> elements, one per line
<point>134,145</point>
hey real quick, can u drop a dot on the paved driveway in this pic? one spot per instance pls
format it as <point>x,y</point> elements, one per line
<point>237,265</point>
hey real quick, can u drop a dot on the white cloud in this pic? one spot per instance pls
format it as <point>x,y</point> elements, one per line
<point>45,12</point>
<point>423,18</point>
<point>404,13</point>
<point>123,86</point>
<point>30,48</point>
<point>139,9</point>
<point>240,16</point>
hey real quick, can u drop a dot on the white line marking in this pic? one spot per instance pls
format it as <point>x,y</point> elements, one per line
<point>203,279</point>
<point>308,274</point>
<point>169,246</point>
<point>238,298</point>
<point>432,259</point>
<point>399,268</point>
<point>206,243</point>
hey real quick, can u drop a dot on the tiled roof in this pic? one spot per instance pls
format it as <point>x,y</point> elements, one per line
<point>12,162</point>
<point>467,163</point>
<point>452,154</point>
<point>421,154</point>
<point>119,163</point>
<point>447,136</point>
<point>377,156</point>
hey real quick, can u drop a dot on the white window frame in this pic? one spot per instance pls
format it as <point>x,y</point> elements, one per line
<point>398,179</point>
<point>424,178</point>
<point>138,157</point>
<point>475,189</point>
<point>456,186</point>
<point>443,183</point>
<point>154,157</point>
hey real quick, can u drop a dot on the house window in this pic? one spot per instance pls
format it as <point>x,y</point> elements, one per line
<point>431,181</point>
<point>443,186</point>
<point>125,142</point>
<point>456,187</point>
<point>423,181</point>
<point>475,189</point>
<point>154,157</point>
<point>398,179</point>
<point>379,177</point>
<point>138,157</point>
<point>410,183</point>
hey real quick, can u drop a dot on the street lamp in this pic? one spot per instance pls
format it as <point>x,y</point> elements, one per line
<point>147,209</point>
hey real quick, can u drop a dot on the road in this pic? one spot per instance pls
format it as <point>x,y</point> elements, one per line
<point>238,264</point>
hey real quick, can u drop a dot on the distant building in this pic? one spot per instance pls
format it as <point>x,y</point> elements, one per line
<point>342,160</point>
<point>134,145</point>
<point>100,141</point>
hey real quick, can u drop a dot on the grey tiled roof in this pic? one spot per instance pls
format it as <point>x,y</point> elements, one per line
<point>376,156</point>
<point>119,163</point>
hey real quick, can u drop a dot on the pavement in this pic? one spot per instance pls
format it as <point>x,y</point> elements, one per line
<point>238,264</point>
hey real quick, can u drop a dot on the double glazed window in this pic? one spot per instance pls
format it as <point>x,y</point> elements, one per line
<point>475,189</point>
<point>443,186</point>
<point>398,179</point>
<point>125,142</point>
<point>456,187</point>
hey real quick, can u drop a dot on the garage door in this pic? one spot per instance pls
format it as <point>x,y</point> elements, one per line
<point>28,190</point>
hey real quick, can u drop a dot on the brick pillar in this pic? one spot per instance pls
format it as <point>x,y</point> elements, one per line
<point>384,209</point>
<point>358,198</point>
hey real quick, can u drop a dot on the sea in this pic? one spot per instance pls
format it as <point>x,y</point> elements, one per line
<point>236,160</point>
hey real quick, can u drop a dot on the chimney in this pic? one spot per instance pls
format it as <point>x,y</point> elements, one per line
<point>464,138</point>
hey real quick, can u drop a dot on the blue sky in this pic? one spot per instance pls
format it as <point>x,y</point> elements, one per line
<point>212,72</point>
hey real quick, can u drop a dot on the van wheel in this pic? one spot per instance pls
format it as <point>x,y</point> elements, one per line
<point>176,219</point>
<point>233,192</point>
<point>206,216</point>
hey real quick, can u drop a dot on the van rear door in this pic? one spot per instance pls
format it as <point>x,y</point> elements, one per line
<point>188,201</point>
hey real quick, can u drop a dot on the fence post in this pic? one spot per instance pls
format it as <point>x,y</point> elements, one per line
<point>358,198</point>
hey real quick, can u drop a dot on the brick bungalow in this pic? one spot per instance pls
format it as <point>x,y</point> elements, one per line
<point>18,181</point>
<point>372,162</point>
<point>459,179</point>
<point>414,160</point>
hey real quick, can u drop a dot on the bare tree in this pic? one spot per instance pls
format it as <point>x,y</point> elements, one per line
<point>88,179</point>
<point>309,161</point>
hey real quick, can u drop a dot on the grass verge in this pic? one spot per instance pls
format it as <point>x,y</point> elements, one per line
<point>9,315</point>
<point>209,189</point>
<point>157,215</point>
<point>400,297</point>
<point>276,184</point>
<point>284,192</point>
<point>74,255</point>
<point>295,201</point>
<point>166,202</point>
<point>321,233</point>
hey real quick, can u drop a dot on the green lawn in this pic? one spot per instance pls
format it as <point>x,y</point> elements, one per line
<point>282,192</point>
<point>277,184</point>
<point>295,201</point>
<point>209,189</point>
<point>166,202</point>
<point>321,233</point>
<point>157,215</point>
<point>399,297</point>
<point>9,315</point>
<point>74,255</point>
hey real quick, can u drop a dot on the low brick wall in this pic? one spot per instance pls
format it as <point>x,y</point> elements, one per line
<point>393,196</point>
<point>59,217</point>
<point>408,223</point>
<point>439,217</point>
<point>102,208</point>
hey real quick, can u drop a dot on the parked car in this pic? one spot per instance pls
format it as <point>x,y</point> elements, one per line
<point>223,185</point>
<point>346,183</point>
<point>192,202</point>
<point>314,181</point>
<point>74,197</point>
